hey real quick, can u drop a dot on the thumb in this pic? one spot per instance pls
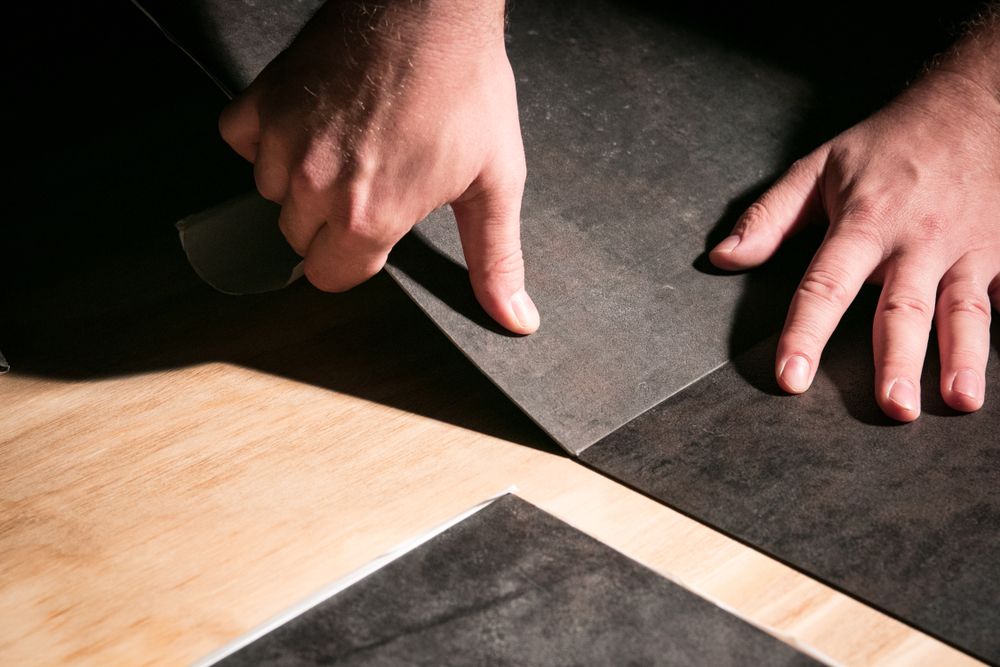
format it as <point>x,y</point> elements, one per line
<point>780,212</point>
<point>489,225</point>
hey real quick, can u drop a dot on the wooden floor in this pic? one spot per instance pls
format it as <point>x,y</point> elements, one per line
<point>176,466</point>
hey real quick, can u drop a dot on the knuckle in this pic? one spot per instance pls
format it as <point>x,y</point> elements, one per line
<point>229,122</point>
<point>965,357</point>
<point>863,232</point>
<point>357,215</point>
<point>930,228</point>
<point>288,229</point>
<point>361,229</point>
<point>320,277</point>
<point>507,180</point>
<point>307,177</point>
<point>826,286</point>
<point>268,185</point>
<point>508,186</point>
<point>227,129</point>
<point>907,306</point>
<point>803,335</point>
<point>758,221</point>
<point>797,167</point>
<point>805,169</point>
<point>326,278</point>
<point>753,218</point>
<point>507,264</point>
<point>864,211</point>
<point>294,235</point>
<point>961,305</point>
<point>894,362</point>
<point>357,163</point>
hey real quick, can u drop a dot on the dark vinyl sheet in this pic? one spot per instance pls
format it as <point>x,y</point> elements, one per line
<point>513,585</point>
<point>905,517</point>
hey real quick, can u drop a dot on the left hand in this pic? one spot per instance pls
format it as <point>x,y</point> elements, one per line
<point>912,196</point>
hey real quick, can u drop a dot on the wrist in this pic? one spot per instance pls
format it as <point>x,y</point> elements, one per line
<point>447,27</point>
<point>976,57</point>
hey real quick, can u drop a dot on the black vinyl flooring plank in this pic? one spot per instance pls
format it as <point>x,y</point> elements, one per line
<point>905,517</point>
<point>513,585</point>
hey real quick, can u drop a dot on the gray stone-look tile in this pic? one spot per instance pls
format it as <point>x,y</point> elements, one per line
<point>904,517</point>
<point>513,585</point>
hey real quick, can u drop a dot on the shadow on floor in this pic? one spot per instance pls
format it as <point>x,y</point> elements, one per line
<point>97,283</point>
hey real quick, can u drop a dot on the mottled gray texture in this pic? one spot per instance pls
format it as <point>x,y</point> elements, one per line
<point>905,517</point>
<point>513,585</point>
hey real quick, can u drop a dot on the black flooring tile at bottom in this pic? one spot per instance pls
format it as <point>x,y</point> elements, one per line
<point>903,517</point>
<point>513,585</point>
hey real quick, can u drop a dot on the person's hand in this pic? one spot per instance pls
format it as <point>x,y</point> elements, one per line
<point>912,196</point>
<point>374,117</point>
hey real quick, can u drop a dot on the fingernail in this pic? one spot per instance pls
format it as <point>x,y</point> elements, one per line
<point>795,373</point>
<point>966,383</point>
<point>904,394</point>
<point>729,243</point>
<point>524,310</point>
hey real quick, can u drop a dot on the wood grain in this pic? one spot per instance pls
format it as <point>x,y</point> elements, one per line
<point>177,466</point>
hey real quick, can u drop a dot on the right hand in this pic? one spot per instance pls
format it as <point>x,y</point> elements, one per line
<point>911,198</point>
<point>370,120</point>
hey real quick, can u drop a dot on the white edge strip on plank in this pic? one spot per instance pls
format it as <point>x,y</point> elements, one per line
<point>337,586</point>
